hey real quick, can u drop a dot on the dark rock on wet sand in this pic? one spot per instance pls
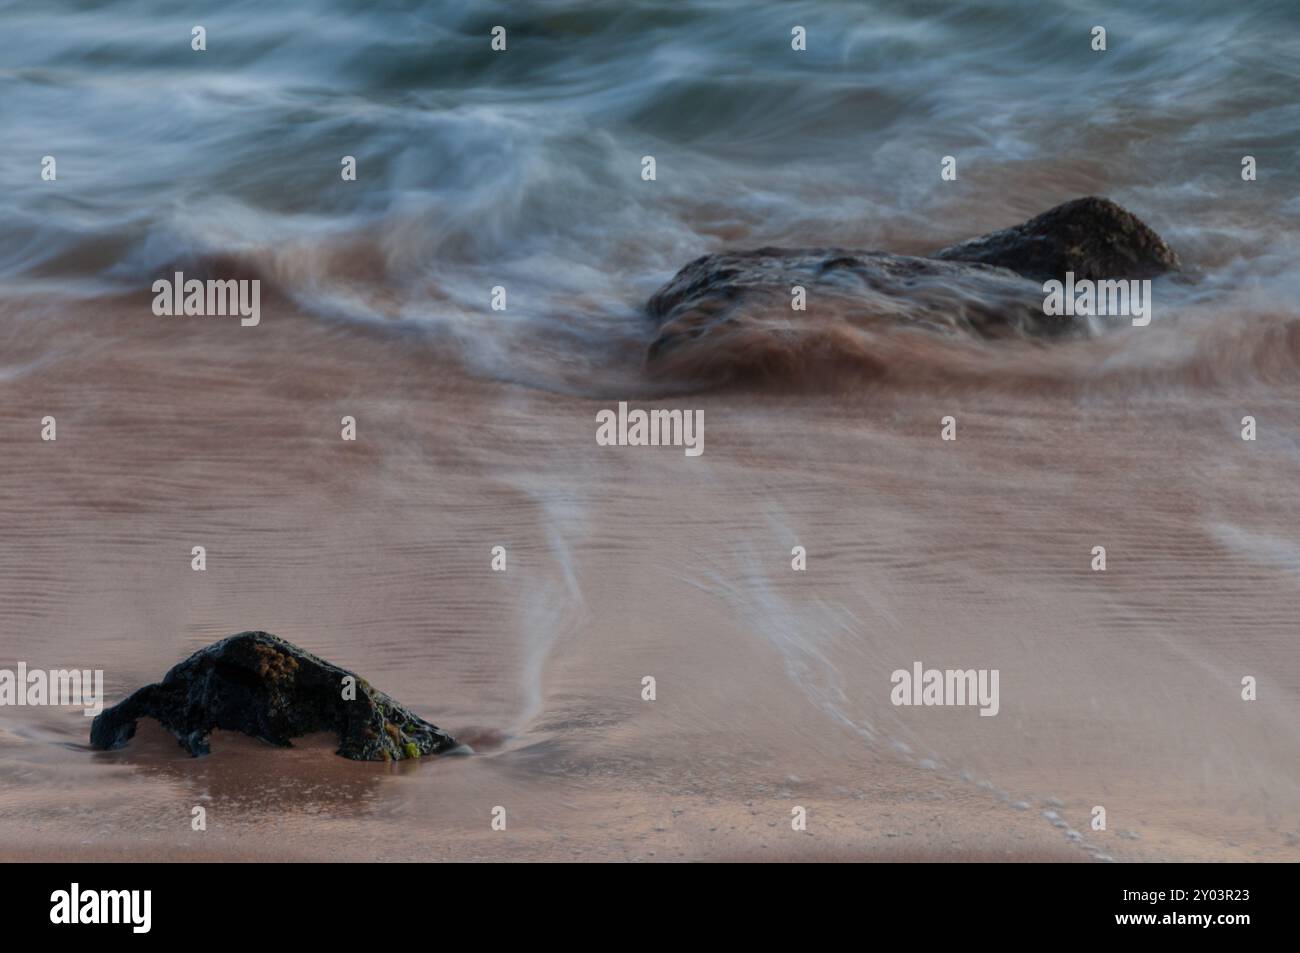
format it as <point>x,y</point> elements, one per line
<point>730,312</point>
<point>266,687</point>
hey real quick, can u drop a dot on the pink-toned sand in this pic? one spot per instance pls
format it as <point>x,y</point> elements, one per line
<point>1119,689</point>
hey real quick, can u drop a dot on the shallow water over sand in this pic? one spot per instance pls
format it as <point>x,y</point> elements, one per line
<point>1118,689</point>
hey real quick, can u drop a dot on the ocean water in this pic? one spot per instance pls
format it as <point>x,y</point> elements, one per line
<point>522,169</point>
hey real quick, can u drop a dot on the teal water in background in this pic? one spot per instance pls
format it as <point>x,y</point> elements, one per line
<point>523,169</point>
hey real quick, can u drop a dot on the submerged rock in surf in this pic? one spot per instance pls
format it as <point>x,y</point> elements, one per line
<point>260,684</point>
<point>736,309</point>
<point>738,312</point>
<point>1092,237</point>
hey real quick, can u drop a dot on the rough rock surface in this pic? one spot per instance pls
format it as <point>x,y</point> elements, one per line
<point>1092,237</point>
<point>730,313</point>
<point>260,684</point>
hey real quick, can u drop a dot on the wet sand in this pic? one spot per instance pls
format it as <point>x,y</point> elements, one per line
<point>1118,689</point>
